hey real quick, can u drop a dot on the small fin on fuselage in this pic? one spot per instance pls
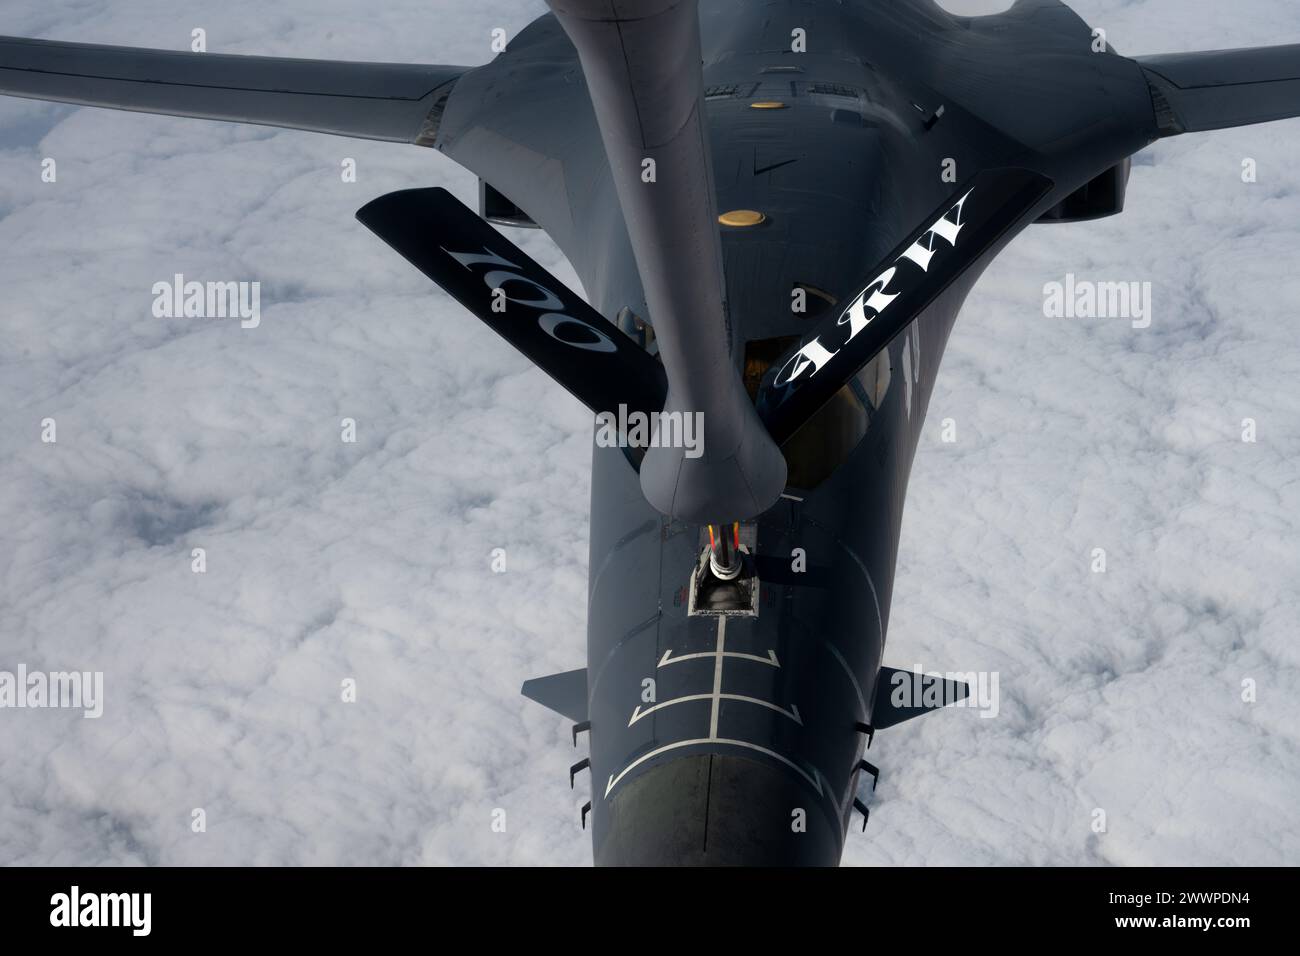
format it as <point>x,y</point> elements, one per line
<point>565,693</point>
<point>902,695</point>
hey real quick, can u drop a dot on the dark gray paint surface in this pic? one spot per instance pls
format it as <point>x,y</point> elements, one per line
<point>384,101</point>
<point>1208,91</point>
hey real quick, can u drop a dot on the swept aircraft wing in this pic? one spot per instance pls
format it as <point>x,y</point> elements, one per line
<point>1196,92</point>
<point>384,101</point>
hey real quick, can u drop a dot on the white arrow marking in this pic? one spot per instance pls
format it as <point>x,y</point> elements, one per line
<point>638,713</point>
<point>668,658</point>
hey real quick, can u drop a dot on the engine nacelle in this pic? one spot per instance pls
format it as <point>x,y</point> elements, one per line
<point>1099,198</point>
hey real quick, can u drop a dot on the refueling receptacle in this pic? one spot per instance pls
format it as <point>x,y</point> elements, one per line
<point>723,581</point>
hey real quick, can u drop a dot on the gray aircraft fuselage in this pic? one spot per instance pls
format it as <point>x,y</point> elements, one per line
<point>749,725</point>
<point>734,747</point>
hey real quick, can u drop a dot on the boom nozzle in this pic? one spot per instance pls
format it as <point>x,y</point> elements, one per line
<point>724,552</point>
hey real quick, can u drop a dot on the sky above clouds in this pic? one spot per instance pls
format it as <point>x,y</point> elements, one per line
<point>370,561</point>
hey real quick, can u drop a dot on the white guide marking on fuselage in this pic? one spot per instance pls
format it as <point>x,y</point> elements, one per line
<point>792,713</point>
<point>719,654</point>
<point>669,659</point>
<point>815,779</point>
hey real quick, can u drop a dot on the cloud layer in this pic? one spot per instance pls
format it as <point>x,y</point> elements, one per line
<point>371,561</point>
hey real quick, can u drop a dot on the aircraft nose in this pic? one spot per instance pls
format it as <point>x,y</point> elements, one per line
<point>717,810</point>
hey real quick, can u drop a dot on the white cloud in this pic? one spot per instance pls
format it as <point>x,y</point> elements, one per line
<point>371,561</point>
